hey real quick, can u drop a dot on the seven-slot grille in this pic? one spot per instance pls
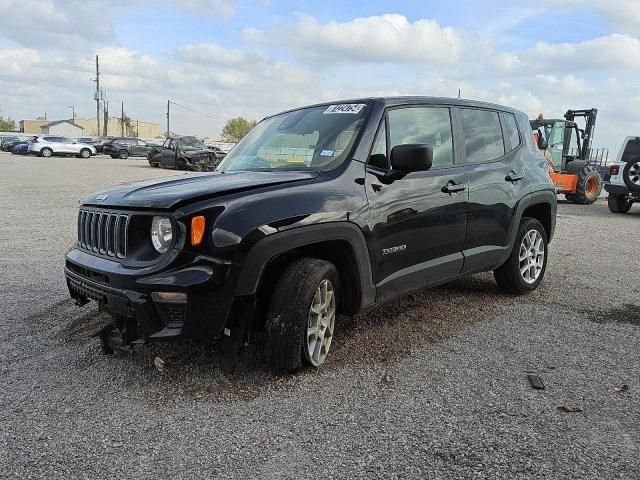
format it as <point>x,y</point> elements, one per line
<point>102,232</point>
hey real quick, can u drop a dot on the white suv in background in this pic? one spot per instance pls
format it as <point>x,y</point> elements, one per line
<point>48,145</point>
<point>624,184</point>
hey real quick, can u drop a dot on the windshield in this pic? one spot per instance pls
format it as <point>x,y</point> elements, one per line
<point>191,143</point>
<point>316,138</point>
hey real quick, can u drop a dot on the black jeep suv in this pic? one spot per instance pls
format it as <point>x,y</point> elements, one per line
<point>318,211</point>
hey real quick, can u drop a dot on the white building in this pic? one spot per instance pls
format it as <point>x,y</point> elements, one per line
<point>64,128</point>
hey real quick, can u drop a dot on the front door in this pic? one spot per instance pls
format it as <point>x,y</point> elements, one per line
<point>168,154</point>
<point>417,222</point>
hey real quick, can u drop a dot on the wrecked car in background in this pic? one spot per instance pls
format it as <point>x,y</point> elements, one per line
<point>183,153</point>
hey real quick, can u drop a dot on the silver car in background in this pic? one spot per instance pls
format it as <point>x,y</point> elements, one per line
<point>49,145</point>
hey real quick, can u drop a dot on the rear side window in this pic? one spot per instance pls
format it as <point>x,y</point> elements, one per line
<point>482,135</point>
<point>426,125</point>
<point>511,130</point>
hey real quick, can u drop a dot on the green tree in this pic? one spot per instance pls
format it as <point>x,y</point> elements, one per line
<point>7,124</point>
<point>236,128</point>
<point>129,127</point>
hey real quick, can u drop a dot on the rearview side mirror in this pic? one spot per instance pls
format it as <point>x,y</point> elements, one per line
<point>416,157</point>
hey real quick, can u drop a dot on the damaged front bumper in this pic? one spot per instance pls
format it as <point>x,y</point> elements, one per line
<point>189,301</point>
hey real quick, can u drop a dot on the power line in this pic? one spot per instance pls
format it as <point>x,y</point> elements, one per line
<point>193,110</point>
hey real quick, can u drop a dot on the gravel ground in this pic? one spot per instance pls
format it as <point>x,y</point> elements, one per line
<point>432,386</point>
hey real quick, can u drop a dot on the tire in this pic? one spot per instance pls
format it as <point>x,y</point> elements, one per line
<point>619,203</point>
<point>114,156</point>
<point>510,276</point>
<point>297,305</point>
<point>589,184</point>
<point>180,164</point>
<point>85,153</point>
<point>46,152</point>
<point>123,154</point>
<point>631,175</point>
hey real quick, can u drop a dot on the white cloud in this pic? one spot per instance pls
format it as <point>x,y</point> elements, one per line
<point>616,51</point>
<point>623,14</point>
<point>387,38</point>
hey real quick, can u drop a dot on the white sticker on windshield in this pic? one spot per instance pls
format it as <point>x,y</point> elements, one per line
<point>352,108</point>
<point>327,153</point>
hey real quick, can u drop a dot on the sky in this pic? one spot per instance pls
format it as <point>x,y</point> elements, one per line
<point>226,58</point>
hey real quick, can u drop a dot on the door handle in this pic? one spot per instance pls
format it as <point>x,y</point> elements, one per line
<point>513,177</point>
<point>452,187</point>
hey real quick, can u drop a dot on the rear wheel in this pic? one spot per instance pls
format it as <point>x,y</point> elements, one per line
<point>123,154</point>
<point>46,152</point>
<point>631,175</point>
<point>619,203</point>
<point>301,318</point>
<point>589,183</point>
<point>525,268</point>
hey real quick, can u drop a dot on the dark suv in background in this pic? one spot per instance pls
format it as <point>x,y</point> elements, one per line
<point>319,211</point>
<point>126,147</point>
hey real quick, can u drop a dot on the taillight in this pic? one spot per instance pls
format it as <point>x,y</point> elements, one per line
<point>34,140</point>
<point>614,169</point>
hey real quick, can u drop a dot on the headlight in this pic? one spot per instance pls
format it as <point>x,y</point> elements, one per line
<point>161,234</point>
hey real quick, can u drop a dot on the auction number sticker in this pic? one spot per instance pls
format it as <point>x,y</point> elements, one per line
<point>352,108</point>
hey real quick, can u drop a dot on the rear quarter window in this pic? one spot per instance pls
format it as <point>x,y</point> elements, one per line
<point>631,150</point>
<point>511,130</point>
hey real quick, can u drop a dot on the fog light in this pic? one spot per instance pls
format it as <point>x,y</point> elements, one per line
<point>169,297</point>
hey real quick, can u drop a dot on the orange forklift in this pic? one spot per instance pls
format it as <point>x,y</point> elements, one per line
<point>567,148</point>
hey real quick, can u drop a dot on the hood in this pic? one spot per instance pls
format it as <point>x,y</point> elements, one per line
<point>168,193</point>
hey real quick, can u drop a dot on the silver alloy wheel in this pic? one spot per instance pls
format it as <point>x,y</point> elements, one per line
<point>322,319</point>
<point>531,256</point>
<point>47,152</point>
<point>634,173</point>
<point>85,153</point>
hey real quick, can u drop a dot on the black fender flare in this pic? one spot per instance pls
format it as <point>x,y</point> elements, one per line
<point>546,197</point>
<point>277,243</point>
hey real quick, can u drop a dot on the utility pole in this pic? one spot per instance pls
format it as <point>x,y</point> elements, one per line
<point>137,128</point>
<point>98,97</point>
<point>122,121</point>
<point>106,118</point>
<point>168,131</point>
<point>73,113</point>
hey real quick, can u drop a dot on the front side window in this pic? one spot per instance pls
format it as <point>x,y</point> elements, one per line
<point>424,125</point>
<point>482,135</point>
<point>316,138</point>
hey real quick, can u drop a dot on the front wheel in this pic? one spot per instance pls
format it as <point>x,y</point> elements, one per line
<point>302,314</point>
<point>525,268</point>
<point>619,203</point>
<point>85,153</point>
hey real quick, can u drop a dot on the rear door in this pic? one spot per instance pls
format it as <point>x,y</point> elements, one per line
<point>418,222</point>
<point>497,182</point>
